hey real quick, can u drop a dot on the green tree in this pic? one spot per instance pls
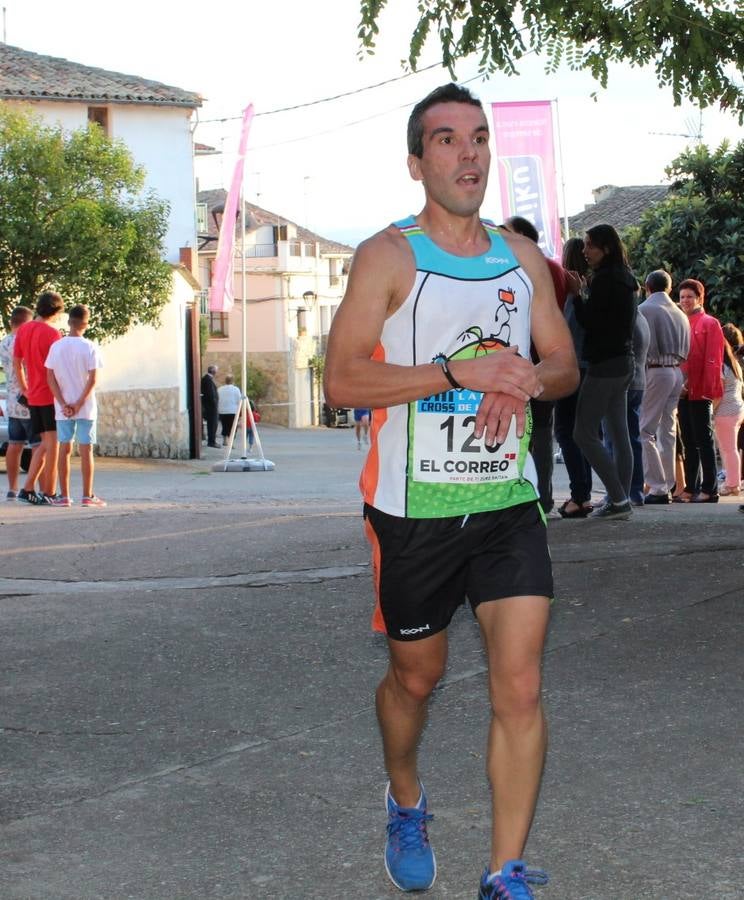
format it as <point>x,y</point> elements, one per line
<point>74,218</point>
<point>697,231</point>
<point>258,382</point>
<point>695,46</point>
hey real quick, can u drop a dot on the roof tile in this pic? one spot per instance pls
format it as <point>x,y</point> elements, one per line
<point>30,76</point>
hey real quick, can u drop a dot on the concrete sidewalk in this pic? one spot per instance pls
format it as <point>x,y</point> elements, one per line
<point>188,696</point>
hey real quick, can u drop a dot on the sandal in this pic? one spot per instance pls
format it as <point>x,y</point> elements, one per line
<point>581,511</point>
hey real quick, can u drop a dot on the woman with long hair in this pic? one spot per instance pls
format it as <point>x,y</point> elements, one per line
<point>728,412</point>
<point>578,469</point>
<point>608,315</point>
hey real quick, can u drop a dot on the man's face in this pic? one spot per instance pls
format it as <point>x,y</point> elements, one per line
<point>456,159</point>
<point>689,301</point>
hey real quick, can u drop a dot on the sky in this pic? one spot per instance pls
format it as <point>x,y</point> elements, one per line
<point>338,167</point>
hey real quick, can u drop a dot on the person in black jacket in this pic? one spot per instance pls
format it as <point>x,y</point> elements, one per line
<point>210,400</point>
<point>607,313</point>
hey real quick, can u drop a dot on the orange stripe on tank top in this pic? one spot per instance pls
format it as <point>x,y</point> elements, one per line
<point>370,475</point>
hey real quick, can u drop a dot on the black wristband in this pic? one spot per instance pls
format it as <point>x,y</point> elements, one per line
<point>449,376</point>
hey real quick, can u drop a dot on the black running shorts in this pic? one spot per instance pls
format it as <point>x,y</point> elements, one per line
<point>425,568</point>
<point>42,418</point>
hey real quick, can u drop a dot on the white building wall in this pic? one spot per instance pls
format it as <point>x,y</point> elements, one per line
<point>159,360</point>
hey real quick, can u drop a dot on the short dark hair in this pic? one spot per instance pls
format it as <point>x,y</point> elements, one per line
<point>606,238</point>
<point>692,284</point>
<point>20,315</point>
<point>524,227</point>
<point>79,312</point>
<point>659,280</point>
<point>49,304</point>
<point>446,93</point>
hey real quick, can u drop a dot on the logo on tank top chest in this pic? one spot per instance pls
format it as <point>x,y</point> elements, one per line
<point>497,261</point>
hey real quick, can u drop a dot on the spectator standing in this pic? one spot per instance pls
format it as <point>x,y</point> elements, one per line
<point>228,405</point>
<point>728,417</point>
<point>19,417</point>
<point>579,471</point>
<point>210,404</point>
<point>703,385</point>
<point>541,442</point>
<point>734,336</point>
<point>32,343</point>
<point>669,344</point>
<point>72,371</point>
<point>641,338</point>
<point>608,315</point>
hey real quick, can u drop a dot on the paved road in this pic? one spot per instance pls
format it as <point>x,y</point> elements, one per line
<point>188,679</point>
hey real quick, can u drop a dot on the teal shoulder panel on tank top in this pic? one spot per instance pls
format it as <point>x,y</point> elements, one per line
<point>496,261</point>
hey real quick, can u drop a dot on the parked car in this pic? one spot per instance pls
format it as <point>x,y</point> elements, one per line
<point>26,454</point>
<point>337,418</point>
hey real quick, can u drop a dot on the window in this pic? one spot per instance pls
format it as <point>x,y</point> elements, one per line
<point>219,324</point>
<point>301,321</point>
<point>98,115</point>
<point>333,271</point>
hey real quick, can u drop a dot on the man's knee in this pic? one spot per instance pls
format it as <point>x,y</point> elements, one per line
<point>417,682</point>
<point>515,694</point>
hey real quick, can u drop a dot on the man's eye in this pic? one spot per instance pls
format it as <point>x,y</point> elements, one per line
<point>446,139</point>
<point>481,139</point>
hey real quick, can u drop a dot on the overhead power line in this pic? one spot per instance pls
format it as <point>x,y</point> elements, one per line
<point>369,87</point>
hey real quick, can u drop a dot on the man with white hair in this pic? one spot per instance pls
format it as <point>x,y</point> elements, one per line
<point>668,347</point>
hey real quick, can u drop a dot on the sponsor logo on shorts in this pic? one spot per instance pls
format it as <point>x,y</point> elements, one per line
<point>409,631</point>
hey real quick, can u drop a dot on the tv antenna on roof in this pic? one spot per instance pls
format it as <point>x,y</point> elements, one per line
<point>694,130</point>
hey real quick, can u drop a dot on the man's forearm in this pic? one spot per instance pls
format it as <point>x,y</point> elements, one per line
<point>559,373</point>
<point>371,383</point>
<point>20,375</point>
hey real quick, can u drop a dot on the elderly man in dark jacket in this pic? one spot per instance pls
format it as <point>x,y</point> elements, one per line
<point>209,400</point>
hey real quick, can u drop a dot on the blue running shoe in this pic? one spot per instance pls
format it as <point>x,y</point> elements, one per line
<point>409,859</point>
<point>511,883</point>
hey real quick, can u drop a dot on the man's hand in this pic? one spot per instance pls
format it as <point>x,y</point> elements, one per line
<point>495,414</point>
<point>500,372</point>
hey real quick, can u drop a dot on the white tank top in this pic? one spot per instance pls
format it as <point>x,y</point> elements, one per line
<point>424,462</point>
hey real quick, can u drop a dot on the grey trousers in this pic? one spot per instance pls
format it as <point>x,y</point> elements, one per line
<point>659,427</point>
<point>606,398</point>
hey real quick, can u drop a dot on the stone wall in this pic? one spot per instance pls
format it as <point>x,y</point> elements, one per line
<point>142,423</point>
<point>274,406</point>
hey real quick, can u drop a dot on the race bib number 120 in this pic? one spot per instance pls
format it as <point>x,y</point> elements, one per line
<point>445,449</point>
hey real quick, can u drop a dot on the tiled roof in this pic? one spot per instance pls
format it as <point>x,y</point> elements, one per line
<point>30,76</point>
<point>621,206</point>
<point>255,216</point>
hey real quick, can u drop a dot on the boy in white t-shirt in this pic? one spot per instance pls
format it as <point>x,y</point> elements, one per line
<point>72,368</point>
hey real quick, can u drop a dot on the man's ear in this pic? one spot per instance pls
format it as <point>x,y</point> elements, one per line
<point>414,167</point>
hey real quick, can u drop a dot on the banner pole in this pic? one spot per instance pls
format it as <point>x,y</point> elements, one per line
<point>562,170</point>
<point>244,345</point>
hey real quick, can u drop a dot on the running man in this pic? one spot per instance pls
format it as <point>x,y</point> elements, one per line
<point>361,426</point>
<point>450,502</point>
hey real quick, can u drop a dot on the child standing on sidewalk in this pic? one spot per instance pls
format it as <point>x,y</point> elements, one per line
<point>72,369</point>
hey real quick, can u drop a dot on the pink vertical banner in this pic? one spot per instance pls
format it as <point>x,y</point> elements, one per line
<point>525,151</point>
<point>221,289</point>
